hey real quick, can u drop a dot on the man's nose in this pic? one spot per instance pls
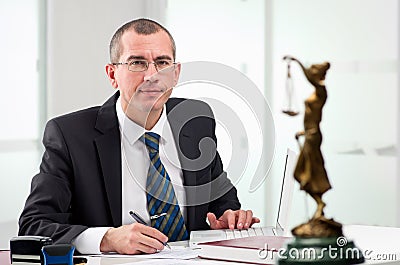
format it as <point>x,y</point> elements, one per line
<point>151,72</point>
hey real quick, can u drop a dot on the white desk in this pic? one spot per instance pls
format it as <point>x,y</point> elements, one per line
<point>379,242</point>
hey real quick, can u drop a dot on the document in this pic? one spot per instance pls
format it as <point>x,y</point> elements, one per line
<point>176,252</point>
<point>170,262</point>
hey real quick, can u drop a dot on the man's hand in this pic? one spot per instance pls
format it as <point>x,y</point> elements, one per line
<point>239,219</point>
<point>133,239</point>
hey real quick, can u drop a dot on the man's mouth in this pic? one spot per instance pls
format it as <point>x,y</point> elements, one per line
<point>151,92</point>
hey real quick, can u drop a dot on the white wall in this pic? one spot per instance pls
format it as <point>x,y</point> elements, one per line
<point>78,36</point>
<point>19,111</point>
<point>360,119</point>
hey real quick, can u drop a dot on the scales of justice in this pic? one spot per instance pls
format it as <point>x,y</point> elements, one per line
<point>320,233</point>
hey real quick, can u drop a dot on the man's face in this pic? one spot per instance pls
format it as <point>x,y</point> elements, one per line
<point>145,91</point>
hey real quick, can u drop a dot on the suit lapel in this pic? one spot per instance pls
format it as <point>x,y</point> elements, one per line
<point>183,136</point>
<point>109,153</point>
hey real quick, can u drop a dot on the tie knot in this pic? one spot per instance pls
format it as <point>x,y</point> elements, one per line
<point>151,141</point>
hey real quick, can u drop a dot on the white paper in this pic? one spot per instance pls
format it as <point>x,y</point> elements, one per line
<point>169,262</point>
<point>176,252</point>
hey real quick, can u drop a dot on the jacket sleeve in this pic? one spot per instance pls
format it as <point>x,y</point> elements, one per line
<point>47,210</point>
<point>223,193</point>
<point>208,188</point>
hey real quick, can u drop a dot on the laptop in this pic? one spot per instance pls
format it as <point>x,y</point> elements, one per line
<point>285,202</point>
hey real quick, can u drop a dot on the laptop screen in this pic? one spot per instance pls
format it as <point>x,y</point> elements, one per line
<point>285,201</point>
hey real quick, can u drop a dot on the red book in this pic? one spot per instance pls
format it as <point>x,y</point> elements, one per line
<point>255,249</point>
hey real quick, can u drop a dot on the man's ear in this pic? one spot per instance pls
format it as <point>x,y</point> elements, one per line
<point>177,72</point>
<point>110,71</point>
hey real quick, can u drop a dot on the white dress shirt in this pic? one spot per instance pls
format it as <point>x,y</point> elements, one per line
<point>135,164</point>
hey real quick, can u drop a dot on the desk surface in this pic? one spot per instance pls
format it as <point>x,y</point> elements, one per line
<point>4,257</point>
<point>382,244</point>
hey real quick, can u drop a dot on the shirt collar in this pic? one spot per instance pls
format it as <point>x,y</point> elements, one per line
<point>132,131</point>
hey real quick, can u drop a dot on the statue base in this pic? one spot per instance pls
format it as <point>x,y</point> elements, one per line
<point>328,250</point>
<point>320,241</point>
<point>319,227</point>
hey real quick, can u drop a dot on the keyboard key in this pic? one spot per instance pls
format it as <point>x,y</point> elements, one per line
<point>229,234</point>
<point>267,231</point>
<point>258,231</point>
<point>237,234</point>
<point>251,232</point>
<point>244,233</point>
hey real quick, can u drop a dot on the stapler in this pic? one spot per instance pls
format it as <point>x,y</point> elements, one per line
<point>61,254</point>
<point>28,249</point>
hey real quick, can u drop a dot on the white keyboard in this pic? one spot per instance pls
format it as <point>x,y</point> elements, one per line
<point>216,235</point>
<point>257,231</point>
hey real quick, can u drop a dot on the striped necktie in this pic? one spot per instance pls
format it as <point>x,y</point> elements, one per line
<point>161,196</point>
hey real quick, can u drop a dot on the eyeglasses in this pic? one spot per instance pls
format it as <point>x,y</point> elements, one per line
<point>143,65</point>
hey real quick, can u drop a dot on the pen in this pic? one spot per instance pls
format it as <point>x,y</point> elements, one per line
<point>157,216</point>
<point>141,221</point>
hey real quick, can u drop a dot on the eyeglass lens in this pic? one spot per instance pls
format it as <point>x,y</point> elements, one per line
<point>143,65</point>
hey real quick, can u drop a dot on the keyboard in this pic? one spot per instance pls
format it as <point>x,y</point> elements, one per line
<point>256,231</point>
<point>223,234</point>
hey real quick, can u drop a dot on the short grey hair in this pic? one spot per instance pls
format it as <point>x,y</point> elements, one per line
<point>142,26</point>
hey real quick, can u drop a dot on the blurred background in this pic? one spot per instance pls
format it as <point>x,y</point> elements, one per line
<point>53,57</point>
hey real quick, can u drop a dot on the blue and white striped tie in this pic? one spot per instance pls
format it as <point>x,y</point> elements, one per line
<point>161,197</point>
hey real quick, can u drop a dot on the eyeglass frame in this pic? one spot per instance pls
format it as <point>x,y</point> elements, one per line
<point>147,64</point>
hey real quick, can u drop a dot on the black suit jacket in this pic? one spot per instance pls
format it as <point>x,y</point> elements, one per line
<point>79,184</point>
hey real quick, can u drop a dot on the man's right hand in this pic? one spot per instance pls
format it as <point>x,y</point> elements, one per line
<point>133,239</point>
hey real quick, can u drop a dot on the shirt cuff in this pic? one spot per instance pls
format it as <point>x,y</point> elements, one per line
<point>88,242</point>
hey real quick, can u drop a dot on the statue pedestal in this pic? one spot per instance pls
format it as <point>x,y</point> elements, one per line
<point>324,250</point>
<point>320,241</point>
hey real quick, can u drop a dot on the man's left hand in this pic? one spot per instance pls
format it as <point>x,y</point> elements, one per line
<point>239,219</point>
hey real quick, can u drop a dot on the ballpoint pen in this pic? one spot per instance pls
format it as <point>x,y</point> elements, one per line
<point>140,220</point>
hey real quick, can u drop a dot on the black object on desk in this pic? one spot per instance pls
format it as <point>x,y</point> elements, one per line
<point>37,250</point>
<point>58,254</point>
<point>28,249</point>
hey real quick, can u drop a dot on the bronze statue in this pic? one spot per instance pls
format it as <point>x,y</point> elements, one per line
<point>319,233</point>
<point>310,171</point>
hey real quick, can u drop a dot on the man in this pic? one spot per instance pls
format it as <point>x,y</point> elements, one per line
<point>96,166</point>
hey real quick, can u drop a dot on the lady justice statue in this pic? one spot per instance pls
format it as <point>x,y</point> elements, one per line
<point>310,171</point>
<point>319,233</point>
